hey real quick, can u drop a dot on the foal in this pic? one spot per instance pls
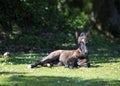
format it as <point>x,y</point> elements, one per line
<point>68,58</point>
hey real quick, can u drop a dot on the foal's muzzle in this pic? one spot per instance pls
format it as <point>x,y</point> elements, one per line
<point>85,54</point>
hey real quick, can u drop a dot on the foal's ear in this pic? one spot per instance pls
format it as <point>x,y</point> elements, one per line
<point>87,34</point>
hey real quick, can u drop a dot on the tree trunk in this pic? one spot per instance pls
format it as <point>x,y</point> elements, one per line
<point>106,17</point>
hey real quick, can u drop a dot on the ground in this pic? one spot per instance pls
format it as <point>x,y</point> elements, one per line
<point>104,71</point>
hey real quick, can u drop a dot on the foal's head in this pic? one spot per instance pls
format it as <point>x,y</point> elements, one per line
<point>82,42</point>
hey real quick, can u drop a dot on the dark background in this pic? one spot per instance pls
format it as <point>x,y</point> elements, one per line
<point>44,25</point>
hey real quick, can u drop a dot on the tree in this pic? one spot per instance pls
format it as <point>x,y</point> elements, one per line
<point>106,17</point>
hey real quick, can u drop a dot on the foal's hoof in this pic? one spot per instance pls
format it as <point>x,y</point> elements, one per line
<point>87,65</point>
<point>66,66</point>
<point>49,65</point>
<point>29,66</point>
<point>71,67</point>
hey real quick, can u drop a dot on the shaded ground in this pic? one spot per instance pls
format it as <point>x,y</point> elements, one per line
<point>57,81</point>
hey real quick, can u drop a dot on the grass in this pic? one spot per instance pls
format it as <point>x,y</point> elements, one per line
<point>105,71</point>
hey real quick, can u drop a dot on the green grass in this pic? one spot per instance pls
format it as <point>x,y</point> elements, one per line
<point>105,71</point>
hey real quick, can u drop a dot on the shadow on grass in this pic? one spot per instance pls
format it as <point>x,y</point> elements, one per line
<point>105,57</point>
<point>21,59</point>
<point>95,66</point>
<point>18,80</point>
<point>6,73</point>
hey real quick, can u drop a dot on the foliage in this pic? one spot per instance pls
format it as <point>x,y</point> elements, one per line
<point>106,17</point>
<point>78,21</point>
<point>44,23</point>
<point>41,23</point>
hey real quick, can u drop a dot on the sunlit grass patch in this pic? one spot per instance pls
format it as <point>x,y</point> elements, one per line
<point>104,71</point>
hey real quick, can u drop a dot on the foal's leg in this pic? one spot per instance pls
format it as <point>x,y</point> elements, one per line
<point>48,59</point>
<point>63,60</point>
<point>58,64</point>
<point>43,62</point>
<point>35,64</point>
<point>83,62</point>
<point>73,63</point>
